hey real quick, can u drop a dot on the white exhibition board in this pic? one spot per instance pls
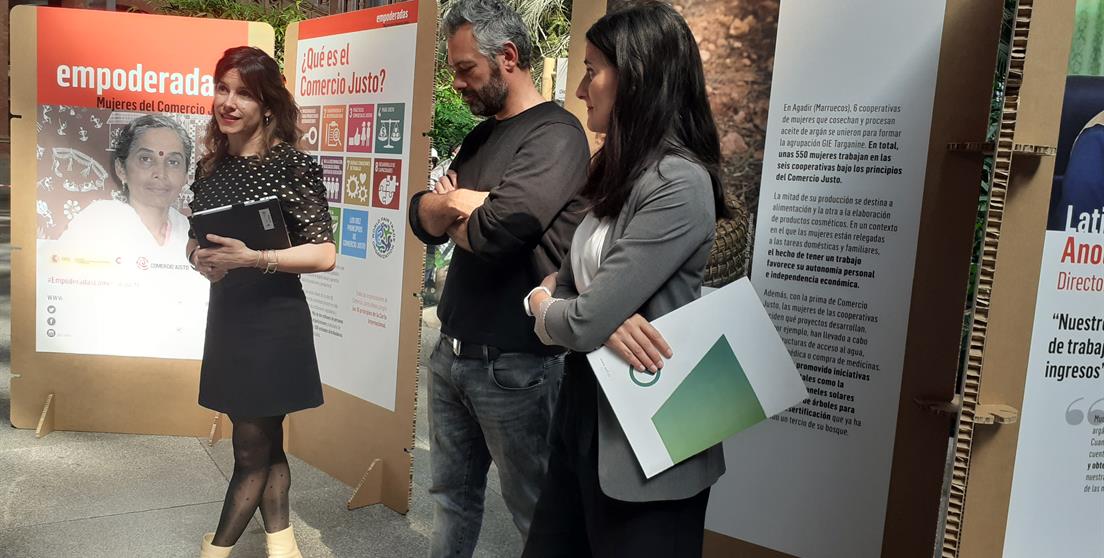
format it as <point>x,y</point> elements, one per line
<point>354,82</point>
<point>1058,480</point>
<point>843,179</point>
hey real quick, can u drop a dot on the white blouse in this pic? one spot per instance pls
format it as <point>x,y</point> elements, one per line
<point>586,257</point>
<point>586,250</point>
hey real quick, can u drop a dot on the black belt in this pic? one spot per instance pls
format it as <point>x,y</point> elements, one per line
<point>473,350</point>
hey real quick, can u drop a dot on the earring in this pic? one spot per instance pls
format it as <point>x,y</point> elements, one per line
<point>267,119</point>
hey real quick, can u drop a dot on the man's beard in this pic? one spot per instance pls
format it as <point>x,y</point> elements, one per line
<point>489,99</point>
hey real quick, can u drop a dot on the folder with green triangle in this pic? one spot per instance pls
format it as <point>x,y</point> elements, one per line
<point>712,403</point>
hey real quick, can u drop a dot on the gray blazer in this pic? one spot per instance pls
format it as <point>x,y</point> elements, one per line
<point>652,263</point>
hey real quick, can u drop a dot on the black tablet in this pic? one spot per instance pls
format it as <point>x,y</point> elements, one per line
<point>259,224</point>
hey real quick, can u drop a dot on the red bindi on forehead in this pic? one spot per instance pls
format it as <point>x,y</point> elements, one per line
<point>160,153</point>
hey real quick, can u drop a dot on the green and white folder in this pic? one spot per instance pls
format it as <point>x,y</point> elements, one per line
<point>730,371</point>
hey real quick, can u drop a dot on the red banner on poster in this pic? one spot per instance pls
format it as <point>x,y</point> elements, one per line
<point>133,62</point>
<point>361,20</point>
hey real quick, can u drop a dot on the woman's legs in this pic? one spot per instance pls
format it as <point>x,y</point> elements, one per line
<point>559,529</point>
<point>274,500</point>
<point>574,518</point>
<point>256,442</point>
<point>658,529</point>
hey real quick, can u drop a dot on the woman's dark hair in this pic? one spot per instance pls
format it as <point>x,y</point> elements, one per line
<point>661,107</point>
<point>262,78</point>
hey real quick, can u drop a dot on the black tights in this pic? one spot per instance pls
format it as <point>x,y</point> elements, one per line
<point>261,478</point>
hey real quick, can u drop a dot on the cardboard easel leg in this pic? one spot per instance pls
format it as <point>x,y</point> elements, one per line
<point>46,419</point>
<point>216,430</point>
<point>367,492</point>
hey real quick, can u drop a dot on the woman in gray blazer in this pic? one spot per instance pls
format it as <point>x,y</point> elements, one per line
<point>654,195</point>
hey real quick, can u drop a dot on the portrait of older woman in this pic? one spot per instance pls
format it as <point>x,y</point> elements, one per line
<point>151,160</point>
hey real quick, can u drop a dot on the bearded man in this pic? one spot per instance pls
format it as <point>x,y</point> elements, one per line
<point>510,203</point>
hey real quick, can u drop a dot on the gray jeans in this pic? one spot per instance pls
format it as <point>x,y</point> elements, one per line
<point>480,411</point>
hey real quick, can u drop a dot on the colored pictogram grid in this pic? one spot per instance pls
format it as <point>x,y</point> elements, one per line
<point>386,180</point>
<point>360,129</point>
<point>310,127</point>
<point>333,128</point>
<point>333,171</point>
<point>335,215</point>
<point>390,128</point>
<point>358,181</point>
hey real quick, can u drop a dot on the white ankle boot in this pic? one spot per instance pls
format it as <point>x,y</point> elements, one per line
<point>282,544</point>
<point>208,550</point>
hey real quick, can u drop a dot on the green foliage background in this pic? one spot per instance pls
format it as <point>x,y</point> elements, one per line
<point>549,23</point>
<point>451,119</point>
<point>279,17</point>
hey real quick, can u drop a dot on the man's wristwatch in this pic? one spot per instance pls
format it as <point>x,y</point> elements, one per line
<point>525,301</point>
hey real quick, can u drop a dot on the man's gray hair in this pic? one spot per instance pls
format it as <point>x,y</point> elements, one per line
<point>494,23</point>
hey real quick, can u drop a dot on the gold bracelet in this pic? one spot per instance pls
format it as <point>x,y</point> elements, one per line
<point>257,262</point>
<point>271,262</point>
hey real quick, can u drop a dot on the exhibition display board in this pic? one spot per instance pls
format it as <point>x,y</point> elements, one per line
<point>353,78</point>
<point>365,89</point>
<point>871,158</point>
<point>1060,452</point>
<point>1036,487</point>
<point>861,257</point>
<point>107,316</point>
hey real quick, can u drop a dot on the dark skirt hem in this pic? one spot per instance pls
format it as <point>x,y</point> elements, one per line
<point>256,413</point>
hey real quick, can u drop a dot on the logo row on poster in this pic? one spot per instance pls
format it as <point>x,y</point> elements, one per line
<point>362,181</point>
<point>370,128</point>
<point>355,233</point>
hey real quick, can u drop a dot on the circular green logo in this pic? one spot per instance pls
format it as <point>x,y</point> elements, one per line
<point>632,376</point>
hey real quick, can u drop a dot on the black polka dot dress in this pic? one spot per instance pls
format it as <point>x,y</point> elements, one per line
<point>258,356</point>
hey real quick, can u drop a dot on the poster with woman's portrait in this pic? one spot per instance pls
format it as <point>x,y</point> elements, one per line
<point>120,119</point>
<point>115,173</point>
<point>113,188</point>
